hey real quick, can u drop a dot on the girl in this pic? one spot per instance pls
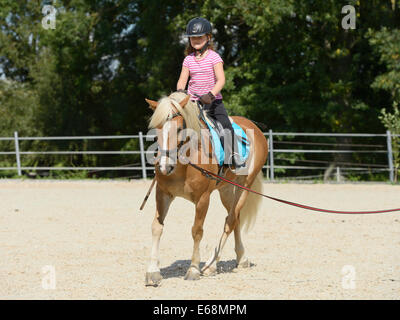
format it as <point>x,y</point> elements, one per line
<point>207,78</point>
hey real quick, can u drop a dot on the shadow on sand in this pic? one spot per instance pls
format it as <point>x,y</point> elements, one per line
<point>179,268</point>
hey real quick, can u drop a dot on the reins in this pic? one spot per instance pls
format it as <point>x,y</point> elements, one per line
<point>212,175</point>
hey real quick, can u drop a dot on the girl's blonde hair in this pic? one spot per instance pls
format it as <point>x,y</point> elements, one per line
<point>189,49</point>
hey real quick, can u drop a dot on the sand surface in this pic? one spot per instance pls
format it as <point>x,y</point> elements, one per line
<point>88,240</point>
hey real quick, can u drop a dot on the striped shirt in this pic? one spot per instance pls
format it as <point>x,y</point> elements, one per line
<point>201,72</point>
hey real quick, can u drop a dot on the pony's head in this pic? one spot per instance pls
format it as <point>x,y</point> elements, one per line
<point>171,115</point>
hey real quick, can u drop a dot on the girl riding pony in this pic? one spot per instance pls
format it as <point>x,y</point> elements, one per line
<point>204,66</point>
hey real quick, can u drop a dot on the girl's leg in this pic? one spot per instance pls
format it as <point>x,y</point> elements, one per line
<point>222,116</point>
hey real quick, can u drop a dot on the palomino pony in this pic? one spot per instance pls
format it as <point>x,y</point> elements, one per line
<point>178,179</point>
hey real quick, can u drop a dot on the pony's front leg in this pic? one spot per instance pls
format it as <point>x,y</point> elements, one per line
<point>163,201</point>
<point>193,272</point>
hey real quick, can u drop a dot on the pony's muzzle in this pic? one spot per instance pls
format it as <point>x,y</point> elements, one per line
<point>166,169</point>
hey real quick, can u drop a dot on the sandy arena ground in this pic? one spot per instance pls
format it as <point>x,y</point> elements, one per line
<point>94,237</point>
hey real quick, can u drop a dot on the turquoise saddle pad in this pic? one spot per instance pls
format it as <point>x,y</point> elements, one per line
<point>243,144</point>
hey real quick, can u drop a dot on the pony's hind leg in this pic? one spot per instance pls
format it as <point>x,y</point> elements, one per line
<point>248,211</point>
<point>153,275</point>
<point>193,272</point>
<point>227,194</point>
<point>241,260</point>
<point>233,200</point>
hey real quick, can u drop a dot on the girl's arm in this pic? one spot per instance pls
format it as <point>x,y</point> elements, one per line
<point>220,76</point>
<point>183,78</point>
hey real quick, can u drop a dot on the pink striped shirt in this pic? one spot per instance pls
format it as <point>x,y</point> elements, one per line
<point>201,72</point>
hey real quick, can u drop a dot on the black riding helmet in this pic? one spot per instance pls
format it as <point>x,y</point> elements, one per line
<point>198,27</point>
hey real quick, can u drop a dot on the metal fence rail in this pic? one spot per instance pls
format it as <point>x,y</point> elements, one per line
<point>270,166</point>
<point>389,167</point>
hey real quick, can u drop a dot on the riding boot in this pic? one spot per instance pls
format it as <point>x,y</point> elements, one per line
<point>232,158</point>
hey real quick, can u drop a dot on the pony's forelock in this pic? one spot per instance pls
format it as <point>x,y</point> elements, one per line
<point>164,111</point>
<point>161,114</point>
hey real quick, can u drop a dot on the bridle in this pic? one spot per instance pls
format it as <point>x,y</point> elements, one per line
<point>174,151</point>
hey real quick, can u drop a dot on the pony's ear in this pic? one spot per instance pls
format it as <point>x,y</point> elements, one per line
<point>184,101</point>
<point>153,104</point>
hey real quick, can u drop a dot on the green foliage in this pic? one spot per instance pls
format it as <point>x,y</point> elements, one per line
<point>392,122</point>
<point>387,44</point>
<point>288,64</point>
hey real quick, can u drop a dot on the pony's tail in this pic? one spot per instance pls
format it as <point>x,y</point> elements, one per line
<point>248,214</point>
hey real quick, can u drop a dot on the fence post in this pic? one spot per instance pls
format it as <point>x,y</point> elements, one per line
<point>17,155</point>
<point>271,154</point>
<point>390,155</point>
<point>142,156</point>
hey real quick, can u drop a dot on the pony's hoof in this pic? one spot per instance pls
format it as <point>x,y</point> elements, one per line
<point>192,274</point>
<point>153,279</point>
<point>209,271</point>
<point>244,264</point>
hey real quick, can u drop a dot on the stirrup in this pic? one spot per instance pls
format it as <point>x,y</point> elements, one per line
<point>235,163</point>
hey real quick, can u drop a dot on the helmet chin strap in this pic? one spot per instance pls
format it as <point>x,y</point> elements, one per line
<point>202,50</point>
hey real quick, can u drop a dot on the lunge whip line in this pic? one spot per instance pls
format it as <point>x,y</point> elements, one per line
<point>212,175</point>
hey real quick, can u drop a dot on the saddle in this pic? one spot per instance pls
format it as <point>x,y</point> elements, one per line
<point>216,131</point>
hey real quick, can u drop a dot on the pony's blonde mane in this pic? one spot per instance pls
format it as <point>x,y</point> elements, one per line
<point>164,112</point>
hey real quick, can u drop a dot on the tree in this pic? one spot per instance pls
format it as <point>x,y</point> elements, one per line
<point>386,43</point>
<point>289,64</point>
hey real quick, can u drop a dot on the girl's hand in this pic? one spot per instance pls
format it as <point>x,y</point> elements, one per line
<point>207,98</point>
